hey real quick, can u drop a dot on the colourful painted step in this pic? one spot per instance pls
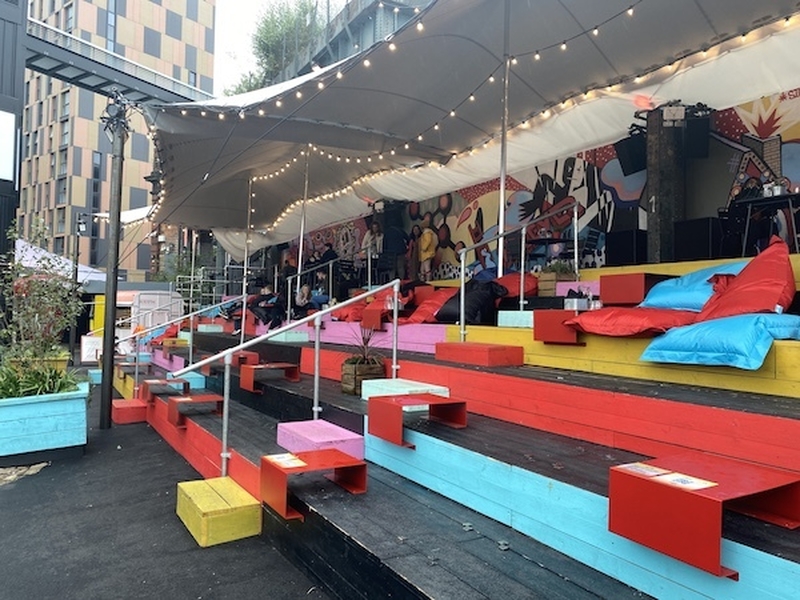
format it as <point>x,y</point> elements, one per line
<point>218,510</point>
<point>484,355</point>
<point>300,436</point>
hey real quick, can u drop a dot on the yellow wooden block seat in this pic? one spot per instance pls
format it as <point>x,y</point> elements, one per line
<point>218,510</point>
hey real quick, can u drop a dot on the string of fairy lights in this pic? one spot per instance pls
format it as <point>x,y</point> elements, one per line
<point>408,144</point>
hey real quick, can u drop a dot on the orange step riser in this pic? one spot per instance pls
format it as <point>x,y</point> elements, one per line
<point>202,450</point>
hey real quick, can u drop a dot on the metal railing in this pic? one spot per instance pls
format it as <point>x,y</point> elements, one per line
<point>64,40</point>
<point>316,318</point>
<point>138,334</point>
<point>462,253</point>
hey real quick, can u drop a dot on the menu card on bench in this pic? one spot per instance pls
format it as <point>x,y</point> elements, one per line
<point>286,460</point>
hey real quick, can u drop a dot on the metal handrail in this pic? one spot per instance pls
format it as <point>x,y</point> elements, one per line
<point>137,334</point>
<point>227,355</point>
<point>462,253</point>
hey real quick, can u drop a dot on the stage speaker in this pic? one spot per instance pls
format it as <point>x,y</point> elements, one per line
<point>695,137</point>
<point>632,153</point>
<point>698,239</point>
<point>626,247</point>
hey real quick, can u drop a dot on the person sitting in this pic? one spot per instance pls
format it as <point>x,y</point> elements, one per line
<point>319,294</point>
<point>302,302</point>
<point>265,306</point>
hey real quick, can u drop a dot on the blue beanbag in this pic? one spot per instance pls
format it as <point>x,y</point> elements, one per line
<point>689,292</point>
<point>741,341</point>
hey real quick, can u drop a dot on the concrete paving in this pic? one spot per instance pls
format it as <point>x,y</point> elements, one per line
<point>104,526</point>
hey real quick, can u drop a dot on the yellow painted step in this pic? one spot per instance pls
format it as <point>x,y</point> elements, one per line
<point>218,510</point>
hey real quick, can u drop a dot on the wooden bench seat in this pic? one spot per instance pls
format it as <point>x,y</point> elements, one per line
<point>179,406</point>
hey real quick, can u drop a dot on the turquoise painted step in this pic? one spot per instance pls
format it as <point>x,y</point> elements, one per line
<point>575,522</point>
<point>196,380</point>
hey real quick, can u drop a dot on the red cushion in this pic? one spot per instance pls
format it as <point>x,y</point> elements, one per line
<point>766,282</point>
<point>621,321</point>
<point>511,283</point>
<point>426,312</point>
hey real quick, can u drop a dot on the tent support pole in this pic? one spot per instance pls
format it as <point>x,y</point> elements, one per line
<point>302,228</point>
<point>501,218</point>
<point>246,262</point>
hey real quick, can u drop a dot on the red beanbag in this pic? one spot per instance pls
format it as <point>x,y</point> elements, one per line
<point>622,321</point>
<point>765,283</point>
<point>511,283</point>
<point>426,312</point>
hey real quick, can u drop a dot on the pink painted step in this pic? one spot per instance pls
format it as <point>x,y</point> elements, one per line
<point>484,355</point>
<point>300,436</point>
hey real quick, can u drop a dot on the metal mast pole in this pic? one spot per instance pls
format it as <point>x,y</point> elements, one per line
<point>501,226</point>
<point>116,123</point>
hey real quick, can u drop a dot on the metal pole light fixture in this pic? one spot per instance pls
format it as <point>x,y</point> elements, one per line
<point>115,124</point>
<point>79,230</point>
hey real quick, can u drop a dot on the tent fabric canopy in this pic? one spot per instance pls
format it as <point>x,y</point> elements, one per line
<point>419,114</point>
<point>31,257</point>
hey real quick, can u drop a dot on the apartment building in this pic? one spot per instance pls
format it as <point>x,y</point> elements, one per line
<point>66,154</point>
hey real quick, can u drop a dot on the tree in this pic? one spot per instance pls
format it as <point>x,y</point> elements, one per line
<point>286,29</point>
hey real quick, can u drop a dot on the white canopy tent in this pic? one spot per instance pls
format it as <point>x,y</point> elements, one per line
<point>419,114</point>
<point>31,256</point>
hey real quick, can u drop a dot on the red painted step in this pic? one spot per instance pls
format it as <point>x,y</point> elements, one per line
<point>484,355</point>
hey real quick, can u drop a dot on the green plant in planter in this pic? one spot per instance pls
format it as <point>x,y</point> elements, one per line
<point>36,380</point>
<point>364,363</point>
<point>559,267</point>
<point>40,303</point>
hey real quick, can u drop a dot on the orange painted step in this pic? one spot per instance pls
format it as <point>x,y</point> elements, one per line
<point>124,412</point>
<point>484,355</point>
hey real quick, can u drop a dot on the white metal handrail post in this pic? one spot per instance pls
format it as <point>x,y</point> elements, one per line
<point>395,310</point>
<point>369,269</point>
<point>462,300</point>
<point>575,265</point>
<point>523,266</point>
<point>226,399</point>
<point>191,338</point>
<point>136,367</point>
<point>317,327</point>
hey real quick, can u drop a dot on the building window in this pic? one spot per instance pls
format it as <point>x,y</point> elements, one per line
<point>27,119</point>
<point>62,162</point>
<point>97,162</point>
<point>47,197</point>
<point>38,83</point>
<point>192,79</point>
<point>111,25</point>
<point>58,245</point>
<point>65,133</point>
<point>69,18</point>
<point>65,105</point>
<point>26,150</point>
<point>52,165</point>
<point>23,201</point>
<point>50,139</point>
<point>61,220</point>
<point>39,114</point>
<point>61,191</point>
<point>35,142</point>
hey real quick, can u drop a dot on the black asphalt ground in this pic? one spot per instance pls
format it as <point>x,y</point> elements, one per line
<point>104,526</point>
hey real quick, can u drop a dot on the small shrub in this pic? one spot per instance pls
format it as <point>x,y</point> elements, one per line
<point>34,380</point>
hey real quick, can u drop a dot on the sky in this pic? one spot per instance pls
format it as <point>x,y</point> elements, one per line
<point>236,22</point>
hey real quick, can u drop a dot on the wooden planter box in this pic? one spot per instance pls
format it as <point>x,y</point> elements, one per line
<point>547,282</point>
<point>354,374</point>
<point>45,422</point>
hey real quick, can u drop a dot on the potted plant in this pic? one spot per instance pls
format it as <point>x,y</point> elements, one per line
<point>42,404</point>
<point>554,271</point>
<point>363,363</point>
